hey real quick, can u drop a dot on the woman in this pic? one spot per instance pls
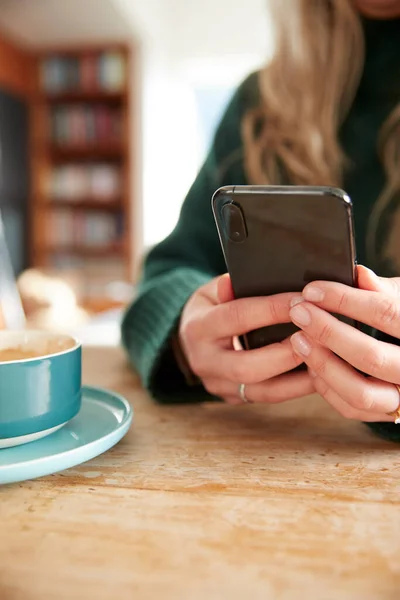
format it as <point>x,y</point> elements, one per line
<point>314,116</point>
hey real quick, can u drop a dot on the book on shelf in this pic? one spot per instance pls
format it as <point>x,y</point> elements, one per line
<point>73,182</point>
<point>93,270</point>
<point>80,125</point>
<point>71,230</point>
<point>111,71</point>
<point>104,71</point>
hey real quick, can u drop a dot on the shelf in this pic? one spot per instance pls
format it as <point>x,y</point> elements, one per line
<point>89,251</point>
<point>99,151</point>
<point>112,205</point>
<point>79,50</point>
<point>63,229</point>
<point>97,96</point>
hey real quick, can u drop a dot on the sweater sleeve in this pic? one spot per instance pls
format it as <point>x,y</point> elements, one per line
<point>189,257</point>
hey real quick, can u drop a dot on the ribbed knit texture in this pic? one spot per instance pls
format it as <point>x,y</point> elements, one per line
<point>159,308</point>
<point>191,255</point>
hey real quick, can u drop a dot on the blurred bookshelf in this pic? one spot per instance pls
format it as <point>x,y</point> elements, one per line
<point>81,205</point>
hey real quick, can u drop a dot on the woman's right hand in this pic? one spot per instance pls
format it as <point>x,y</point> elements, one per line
<point>212,319</point>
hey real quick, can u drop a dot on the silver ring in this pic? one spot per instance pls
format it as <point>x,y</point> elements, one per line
<point>242,393</point>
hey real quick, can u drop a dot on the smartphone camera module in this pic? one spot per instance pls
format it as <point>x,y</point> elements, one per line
<point>234,223</point>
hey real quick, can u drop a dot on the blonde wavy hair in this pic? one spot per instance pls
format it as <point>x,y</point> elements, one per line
<point>306,92</point>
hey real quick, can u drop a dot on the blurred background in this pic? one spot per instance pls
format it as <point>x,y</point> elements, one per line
<point>107,108</point>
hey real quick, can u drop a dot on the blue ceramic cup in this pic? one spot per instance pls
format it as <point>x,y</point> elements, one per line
<point>40,384</point>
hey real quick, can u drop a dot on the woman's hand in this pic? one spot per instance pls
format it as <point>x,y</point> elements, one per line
<point>212,319</point>
<point>334,351</point>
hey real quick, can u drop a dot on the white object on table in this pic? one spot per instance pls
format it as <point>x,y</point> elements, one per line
<point>102,330</point>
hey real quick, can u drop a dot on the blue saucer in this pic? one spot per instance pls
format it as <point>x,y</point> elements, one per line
<point>103,420</point>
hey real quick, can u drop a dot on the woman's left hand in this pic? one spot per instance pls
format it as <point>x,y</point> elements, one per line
<point>334,351</point>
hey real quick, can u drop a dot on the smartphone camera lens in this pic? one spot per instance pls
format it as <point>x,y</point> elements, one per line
<point>234,224</point>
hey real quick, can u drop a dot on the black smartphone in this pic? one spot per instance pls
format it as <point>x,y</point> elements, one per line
<point>279,238</point>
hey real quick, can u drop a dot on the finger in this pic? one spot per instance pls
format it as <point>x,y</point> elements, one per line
<point>281,388</point>
<point>221,388</point>
<point>253,366</point>
<point>233,400</point>
<point>373,357</point>
<point>368,280</point>
<point>272,391</point>
<point>224,289</point>
<point>343,408</point>
<point>359,392</point>
<point>376,309</point>
<point>246,314</point>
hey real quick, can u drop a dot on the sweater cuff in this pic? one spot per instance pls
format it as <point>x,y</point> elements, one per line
<point>150,323</point>
<point>387,431</point>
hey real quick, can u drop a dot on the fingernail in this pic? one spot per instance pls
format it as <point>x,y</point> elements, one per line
<point>313,294</point>
<point>300,315</point>
<point>312,373</point>
<point>296,300</point>
<point>300,344</point>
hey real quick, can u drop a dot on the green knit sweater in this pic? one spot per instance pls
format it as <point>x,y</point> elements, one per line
<point>191,255</point>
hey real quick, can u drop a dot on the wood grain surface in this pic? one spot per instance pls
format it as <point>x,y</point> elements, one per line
<point>210,502</point>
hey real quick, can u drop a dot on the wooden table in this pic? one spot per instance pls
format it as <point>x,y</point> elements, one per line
<point>210,502</point>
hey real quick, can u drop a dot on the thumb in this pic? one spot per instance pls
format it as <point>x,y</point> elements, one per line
<point>368,280</point>
<point>224,289</point>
